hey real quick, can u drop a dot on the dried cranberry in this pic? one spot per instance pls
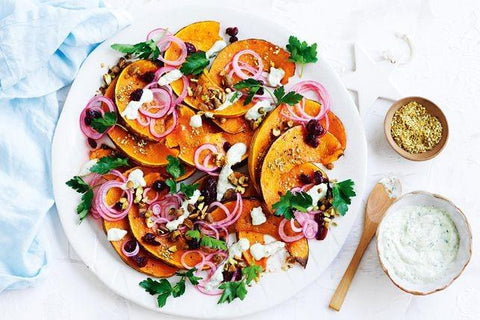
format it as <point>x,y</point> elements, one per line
<point>314,127</point>
<point>150,239</point>
<point>147,77</point>
<point>190,48</point>
<point>233,39</point>
<point>130,246</point>
<point>140,261</point>
<point>92,143</point>
<point>226,146</point>
<point>232,31</point>
<point>311,140</point>
<point>209,190</point>
<point>104,146</point>
<point>136,95</point>
<point>193,243</point>
<point>260,91</point>
<point>304,178</point>
<point>319,178</point>
<point>90,115</point>
<point>158,185</point>
<point>321,233</point>
<point>118,206</point>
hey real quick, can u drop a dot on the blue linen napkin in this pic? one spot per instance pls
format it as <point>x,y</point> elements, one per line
<point>42,45</point>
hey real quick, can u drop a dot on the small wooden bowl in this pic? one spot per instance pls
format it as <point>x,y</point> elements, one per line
<point>434,110</point>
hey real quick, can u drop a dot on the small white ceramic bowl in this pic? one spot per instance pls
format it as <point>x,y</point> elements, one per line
<point>421,198</point>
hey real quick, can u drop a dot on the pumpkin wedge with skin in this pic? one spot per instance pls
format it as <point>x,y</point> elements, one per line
<point>153,267</point>
<point>188,139</point>
<point>263,137</point>
<point>130,79</point>
<point>161,251</point>
<point>233,125</point>
<point>147,153</point>
<point>288,151</point>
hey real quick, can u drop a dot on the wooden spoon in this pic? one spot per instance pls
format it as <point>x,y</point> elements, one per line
<point>382,196</point>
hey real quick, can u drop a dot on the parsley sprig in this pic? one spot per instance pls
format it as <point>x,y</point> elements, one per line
<point>301,52</point>
<point>143,50</point>
<point>206,241</point>
<point>342,194</point>
<point>251,87</point>
<point>79,185</point>
<point>164,289</point>
<point>176,170</point>
<point>195,63</point>
<point>107,164</point>
<point>238,289</point>
<point>102,124</point>
<point>290,202</point>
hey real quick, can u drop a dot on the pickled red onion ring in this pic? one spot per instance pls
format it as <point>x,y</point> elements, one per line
<point>101,206</point>
<point>154,32</point>
<point>160,72</point>
<point>93,103</point>
<point>183,54</point>
<point>185,264</point>
<point>255,73</point>
<point>283,235</point>
<point>133,253</point>
<point>196,158</point>
<point>167,131</point>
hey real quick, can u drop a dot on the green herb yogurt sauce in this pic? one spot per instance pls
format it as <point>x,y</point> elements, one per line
<point>418,243</point>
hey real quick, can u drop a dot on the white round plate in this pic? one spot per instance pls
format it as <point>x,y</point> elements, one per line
<point>70,151</point>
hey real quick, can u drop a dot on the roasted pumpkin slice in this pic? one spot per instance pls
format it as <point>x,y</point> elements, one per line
<point>290,150</point>
<point>130,79</point>
<point>143,262</point>
<point>253,237</point>
<point>271,55</point>
<point>188,139</point>
<point>263,137</point>
<point>233,125</point>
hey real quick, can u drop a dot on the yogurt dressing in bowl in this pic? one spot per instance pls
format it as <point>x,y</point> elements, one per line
<point>418,243</point>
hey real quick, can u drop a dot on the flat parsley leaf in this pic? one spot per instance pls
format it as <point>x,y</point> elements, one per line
<point>143,50</point>
<point>195,63</point>
<point>251,272</point>
<point>291,98</point>
<point>78,184</point>
<point>194,234</point>
<point>213,243</point>
<point>188,189</point>
<point>232,290</point>
<point>292,201</point>
<point>85,204</point>
<point>301,52</point>
<point>175,167</point>
<point>172,185</point>
<point>107,164</point>
<point>102,124</point>
<point>342,194</point>
<point>251,86</point>
<point>190,275</point>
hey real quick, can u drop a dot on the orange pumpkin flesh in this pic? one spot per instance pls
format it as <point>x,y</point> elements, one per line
<point>263,137</point>
<point>288,151</point>
<point>188,139</point>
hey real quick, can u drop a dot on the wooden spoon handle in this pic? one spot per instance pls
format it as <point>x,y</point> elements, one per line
<point>342,288</point>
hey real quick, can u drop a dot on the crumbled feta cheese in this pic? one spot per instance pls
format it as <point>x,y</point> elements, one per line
<point>85,169</point>
<point>260,251</point>
<point>131,111</point>
<point>115,234</point>
<point>235,250</point>
<point>253,114</point>
<point>317,192</point>
<point>196,121</point>
<point>136,177</point>
<point>170,77</point>
<point>230,98</point>
<point>194,198</point>
<point>234,156</point>
<point>275,76</point>
<point>217,47</point>
<point>208,115</point>
<point>258,217</point>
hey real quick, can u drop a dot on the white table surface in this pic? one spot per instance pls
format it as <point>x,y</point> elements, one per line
<point>445,69</point>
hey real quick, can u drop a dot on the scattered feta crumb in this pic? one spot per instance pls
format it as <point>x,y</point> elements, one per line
<point>196,121</point>
<point>253,113</point>
<point>230,98</point>
<point>217,47</point>
<point>170,77</point>
<point>275,76</point>
<point>234,156</point>
<point>317,192</point>
<point>260,251</point>
<point>136,177</point>
<point>116,234</point>
<point>258,217</point>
